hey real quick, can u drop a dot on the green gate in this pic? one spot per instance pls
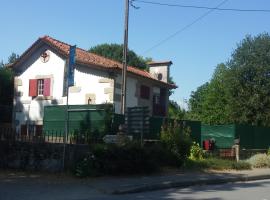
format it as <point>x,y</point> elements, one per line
<point>82,118</point>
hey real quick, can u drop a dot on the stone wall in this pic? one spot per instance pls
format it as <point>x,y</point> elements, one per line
<point>39,156</point>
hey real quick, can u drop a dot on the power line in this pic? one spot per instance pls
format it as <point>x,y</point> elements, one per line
<point>202,7</point>
<point>185,27</point>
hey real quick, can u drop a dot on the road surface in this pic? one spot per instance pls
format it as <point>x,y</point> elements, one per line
<point>21,188</point>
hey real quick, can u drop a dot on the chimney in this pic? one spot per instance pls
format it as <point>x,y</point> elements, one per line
<point>160,70</point>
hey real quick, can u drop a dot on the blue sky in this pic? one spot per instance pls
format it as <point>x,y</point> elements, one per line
<point>194,52</point>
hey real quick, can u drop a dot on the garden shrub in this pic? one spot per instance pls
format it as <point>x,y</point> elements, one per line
<point>259,160</point>
<point>86,167</point>
<point>132,158</point>
<point>112,159</point>
<point>196,152</point>
<point>176,139</point>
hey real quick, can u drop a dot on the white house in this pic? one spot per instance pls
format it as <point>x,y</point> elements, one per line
<point>40,80</point>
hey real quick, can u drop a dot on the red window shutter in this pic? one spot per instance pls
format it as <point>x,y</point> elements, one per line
<point>33,87</point>
<point>47,87</point>
<point>145,92</point>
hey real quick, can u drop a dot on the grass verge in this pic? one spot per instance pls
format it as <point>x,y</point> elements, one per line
<point>216,164</point>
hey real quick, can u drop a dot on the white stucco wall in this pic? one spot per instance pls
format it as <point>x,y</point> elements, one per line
<point>89,81</point>
<point>31,68</point>
<point>164,70</point>
<point>131,98</point>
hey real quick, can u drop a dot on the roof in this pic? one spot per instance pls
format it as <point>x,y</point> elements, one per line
<point>89,59</point>
<point>160,63</point>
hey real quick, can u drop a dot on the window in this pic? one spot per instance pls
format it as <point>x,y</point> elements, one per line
<point>145,92</point>
<point>40,87</point>
<point>156,99</point>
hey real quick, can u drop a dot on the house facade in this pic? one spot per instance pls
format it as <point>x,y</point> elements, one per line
<point>40,80</point>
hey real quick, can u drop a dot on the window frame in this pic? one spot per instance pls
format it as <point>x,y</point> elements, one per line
<point>40,87</point>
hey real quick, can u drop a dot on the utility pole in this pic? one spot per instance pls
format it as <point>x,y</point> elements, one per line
<point>124,70</point>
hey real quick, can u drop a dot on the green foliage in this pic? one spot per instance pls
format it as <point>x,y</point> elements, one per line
<point>216,164</point>
<point>196,152</point>
<point>239,90</point>
<point>115,52</point>
<point>241,165</point>
<point>86,167</point>
<point>130,158</point>
<point>176,139</point>
<point>196,101</point>
<point>6,81</point>
<point>175,111</point>
<point>249,78</point>
<point>12,58</point>
<point>259,160</point>
<point>6,86</point>
<point>268,151</point>
<point>209,163</point>
<point>112,160</point>
<point>209,103</point>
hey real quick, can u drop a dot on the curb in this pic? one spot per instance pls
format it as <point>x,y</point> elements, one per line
<point>184,184</point>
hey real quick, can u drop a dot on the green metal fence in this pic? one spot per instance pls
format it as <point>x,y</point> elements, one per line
<point>157,122</point>
<point>224,135</point>
<point>251,137</point>
<point>101,120</point>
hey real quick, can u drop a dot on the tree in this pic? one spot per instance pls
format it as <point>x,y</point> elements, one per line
<point>6,86</point>
<point>6,81</point>
<point>12,58</point>
<point>196,102</point>
<point>215,102</point>
<point>175,111</point>
<point>2,64</point>
<point>115,52</point>
<point>249,81</point>
<point>239,92</point>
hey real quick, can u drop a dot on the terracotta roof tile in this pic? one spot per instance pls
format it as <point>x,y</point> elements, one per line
<point>87,58</point>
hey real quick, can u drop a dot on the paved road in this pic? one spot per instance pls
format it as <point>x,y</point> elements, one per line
<point>255,190</point>
<point>33,188</point>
